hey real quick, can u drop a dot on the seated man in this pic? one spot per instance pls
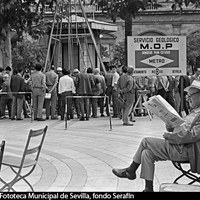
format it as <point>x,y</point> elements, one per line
<point>179,144</point>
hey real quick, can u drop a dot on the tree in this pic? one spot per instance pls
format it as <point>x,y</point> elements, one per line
<point>178,4</point>
<point>19,16</point>
<point>26,52</point>
<point>119,55</point>
<point>193,49</point>
<point>125,9</point>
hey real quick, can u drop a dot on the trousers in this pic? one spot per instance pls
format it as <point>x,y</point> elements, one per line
<point>17,104</point>
<point>50,104</point>
<point>152,150</point>
<point>38,102</point>
<point>126,111</point>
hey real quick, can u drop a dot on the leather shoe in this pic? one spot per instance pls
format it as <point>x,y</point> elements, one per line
<point>54,118</point>
<point>127,124</point>
<point>82,119</point>
<point>123,173</point>
<point>19,119</point>
<point>41,119</point>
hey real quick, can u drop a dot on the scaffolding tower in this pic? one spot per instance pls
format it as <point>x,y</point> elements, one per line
<point>70,24</point>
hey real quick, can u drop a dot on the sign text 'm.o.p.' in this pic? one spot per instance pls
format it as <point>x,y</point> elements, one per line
<point>157,55</point>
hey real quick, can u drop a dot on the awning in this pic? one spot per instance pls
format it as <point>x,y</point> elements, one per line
<point>95,24</point>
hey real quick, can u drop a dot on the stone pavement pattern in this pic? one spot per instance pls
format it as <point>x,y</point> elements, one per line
<point>81,158</point>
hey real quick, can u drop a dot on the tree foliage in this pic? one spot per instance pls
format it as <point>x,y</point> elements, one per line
<point>119,8</point>
<point>178,4</point>
<point>193,48</point>
<point>119,55</point>
<point>125,9</point>
<point>20,15</point>
<point>26,52</point>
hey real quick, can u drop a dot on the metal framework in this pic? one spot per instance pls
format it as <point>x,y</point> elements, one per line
<point>70,14</point>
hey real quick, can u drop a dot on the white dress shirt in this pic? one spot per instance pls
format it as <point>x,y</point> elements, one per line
<point>115,79</point>
<point>66,84</point>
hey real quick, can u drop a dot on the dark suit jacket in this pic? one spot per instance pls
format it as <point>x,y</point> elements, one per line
<point>17,85</point>
<point>84,84</point>
<point>1,81</point>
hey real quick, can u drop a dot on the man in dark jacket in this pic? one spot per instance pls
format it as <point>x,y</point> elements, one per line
<point>6,99</point>
<point>181,143</point>
<point>83,84</point>
<point>184,82</point>
<point>109,89</point>
<point>95,92</point>
<point>17,85</point>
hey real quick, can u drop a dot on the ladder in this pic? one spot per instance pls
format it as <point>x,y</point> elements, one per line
<point>70,14</point>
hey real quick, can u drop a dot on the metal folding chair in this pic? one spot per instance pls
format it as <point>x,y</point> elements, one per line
<point>185,172</point>
<point>28,160</point>
<point>2,146</point>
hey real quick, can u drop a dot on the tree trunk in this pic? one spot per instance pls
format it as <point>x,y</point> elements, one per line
<point>7,53</point>
<point>128,32</point>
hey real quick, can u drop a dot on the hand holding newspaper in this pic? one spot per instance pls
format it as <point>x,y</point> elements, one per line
<point>160,107</point>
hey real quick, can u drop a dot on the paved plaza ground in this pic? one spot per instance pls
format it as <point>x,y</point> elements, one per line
<point>81,157</point>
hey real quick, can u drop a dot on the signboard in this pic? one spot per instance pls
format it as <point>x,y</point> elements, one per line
<point>157,55</point>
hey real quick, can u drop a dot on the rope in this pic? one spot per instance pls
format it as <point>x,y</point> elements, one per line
<point>87,97</point>
<point>15,93</point>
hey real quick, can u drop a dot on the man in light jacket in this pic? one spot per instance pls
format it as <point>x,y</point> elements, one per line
<point>127,90</point>
<point>181,143</point>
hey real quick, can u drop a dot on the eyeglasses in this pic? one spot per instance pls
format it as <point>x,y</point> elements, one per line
<point>190,95</point>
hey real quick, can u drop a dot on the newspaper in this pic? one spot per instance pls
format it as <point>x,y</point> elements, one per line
<point>160,107</point>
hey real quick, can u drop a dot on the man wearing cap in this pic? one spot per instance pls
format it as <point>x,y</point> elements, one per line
<point>181,143</point>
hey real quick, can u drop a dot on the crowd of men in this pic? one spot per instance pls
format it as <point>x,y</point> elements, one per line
<point>60,83</point>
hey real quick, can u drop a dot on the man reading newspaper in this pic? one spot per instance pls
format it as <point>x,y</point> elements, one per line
<point>180,143</point>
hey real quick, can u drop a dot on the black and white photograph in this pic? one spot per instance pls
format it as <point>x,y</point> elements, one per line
<point>99,99</point>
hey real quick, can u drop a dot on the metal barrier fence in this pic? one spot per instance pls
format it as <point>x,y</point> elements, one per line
<point>75,97</point>
<point>88,97</point>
